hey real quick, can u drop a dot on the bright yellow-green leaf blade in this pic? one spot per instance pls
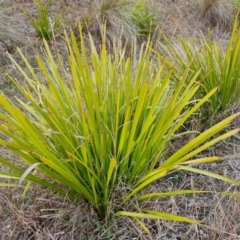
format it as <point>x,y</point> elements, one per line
<point>144,227</point>
<point>156,172</point>
<point>145,183</point>
<point>152,196</point>
<point>209,144</point>
<point>157,215</point>
<point>173,217</point>
<point>113,163</point>
<point>201,160</point>
<point>210,174</point>
<point>178,156</point>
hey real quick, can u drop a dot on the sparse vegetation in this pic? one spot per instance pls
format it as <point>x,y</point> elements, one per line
<point>42,22</point>
<point>144,18</point>
<point>98,137</point>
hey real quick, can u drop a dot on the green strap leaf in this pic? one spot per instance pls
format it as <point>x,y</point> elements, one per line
<point>157,215</point>
<point>152,196</point>
<point>210,174</point>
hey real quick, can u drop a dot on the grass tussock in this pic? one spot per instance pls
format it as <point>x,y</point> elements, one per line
<point>220,13</point>
<point>101,131</point>
<point>45,24</point>
<point>218,67</point>
<point>125,20</point>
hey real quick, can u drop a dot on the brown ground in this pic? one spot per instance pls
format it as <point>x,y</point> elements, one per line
<point>43,216</point>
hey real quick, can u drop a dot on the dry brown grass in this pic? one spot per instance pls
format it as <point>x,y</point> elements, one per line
<point>219,13</point>
<point>12,34</point>
<point>118,17</point>
<point>44,216</point>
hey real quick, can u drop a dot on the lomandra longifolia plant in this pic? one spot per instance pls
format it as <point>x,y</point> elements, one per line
<point>102,123</point>
<point>217,67</point>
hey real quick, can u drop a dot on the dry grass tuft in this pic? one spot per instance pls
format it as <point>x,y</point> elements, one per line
<point>44,217</point>
<point>219,13</point>
<point>125,20</point>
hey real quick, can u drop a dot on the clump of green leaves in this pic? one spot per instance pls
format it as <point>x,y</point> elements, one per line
<point>144,18</point>
<point>42,22</point>
<point>105,124</point>
<point>217,67</point>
